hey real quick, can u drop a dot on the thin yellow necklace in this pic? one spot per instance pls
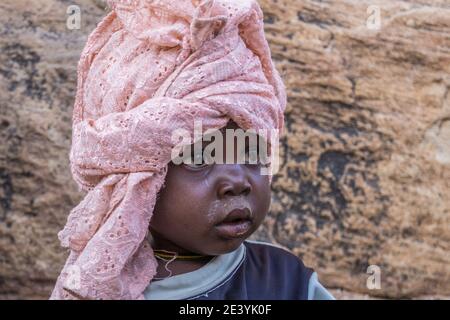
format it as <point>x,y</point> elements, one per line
<point>167,255</point>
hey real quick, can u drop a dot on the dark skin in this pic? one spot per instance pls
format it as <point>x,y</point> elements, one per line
<point>183,220</point>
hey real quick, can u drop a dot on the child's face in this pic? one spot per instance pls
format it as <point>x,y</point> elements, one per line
<point>190,209</point>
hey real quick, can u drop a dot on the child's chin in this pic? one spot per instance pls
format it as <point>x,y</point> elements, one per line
<point>225,246</point>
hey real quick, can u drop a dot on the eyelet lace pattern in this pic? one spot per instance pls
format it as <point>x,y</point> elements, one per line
<point>148,68</point>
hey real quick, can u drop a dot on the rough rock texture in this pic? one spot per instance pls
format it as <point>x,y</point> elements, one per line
<point>365,176</point>
<point>38,57</point>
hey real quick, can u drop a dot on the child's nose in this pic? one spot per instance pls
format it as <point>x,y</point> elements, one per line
<point>233,181</point>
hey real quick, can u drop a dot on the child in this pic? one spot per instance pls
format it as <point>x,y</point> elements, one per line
<point>202,257</point>
<point>150,228</point>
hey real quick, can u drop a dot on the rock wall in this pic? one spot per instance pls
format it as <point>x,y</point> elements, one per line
<point>365,176</point>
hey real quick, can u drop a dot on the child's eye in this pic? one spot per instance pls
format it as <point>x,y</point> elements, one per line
<point>255,156</point>
<point>249,156</point>
<point>196,160</point>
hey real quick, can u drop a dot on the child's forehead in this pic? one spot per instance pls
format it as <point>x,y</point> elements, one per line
<point>230,125</point>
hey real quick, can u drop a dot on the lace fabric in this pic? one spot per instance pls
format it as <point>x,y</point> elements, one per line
<point>148,68</point>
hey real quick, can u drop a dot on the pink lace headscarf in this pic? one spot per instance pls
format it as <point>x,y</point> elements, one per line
<point>148,68</point>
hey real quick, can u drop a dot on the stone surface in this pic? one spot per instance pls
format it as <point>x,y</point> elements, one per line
<point>365,176</point>
<point>38,57</point>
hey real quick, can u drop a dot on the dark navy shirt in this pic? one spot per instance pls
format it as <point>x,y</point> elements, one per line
<point>254,271</point>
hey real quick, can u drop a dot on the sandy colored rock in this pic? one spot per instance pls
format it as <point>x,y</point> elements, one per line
<point>365,179</point>
<point>38,57</point>
<point>365,176</point>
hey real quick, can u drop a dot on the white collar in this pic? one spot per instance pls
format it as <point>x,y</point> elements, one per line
<point>197,282</point>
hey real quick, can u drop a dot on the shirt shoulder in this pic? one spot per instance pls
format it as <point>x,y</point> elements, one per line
<point>285,269</point>
<point>316,291</point>
<point>266,253</point>
<point>275,272</point>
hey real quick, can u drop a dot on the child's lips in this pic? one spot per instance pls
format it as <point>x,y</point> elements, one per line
<point>236,224</point>
<point>233,230</point>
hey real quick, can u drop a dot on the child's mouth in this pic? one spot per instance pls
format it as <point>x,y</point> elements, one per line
<point>236,224</point>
